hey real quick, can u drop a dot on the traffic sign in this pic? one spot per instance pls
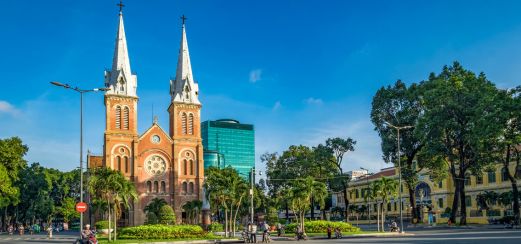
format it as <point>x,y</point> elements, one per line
<point>81,207</point>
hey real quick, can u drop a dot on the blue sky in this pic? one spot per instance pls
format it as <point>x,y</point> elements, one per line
<point>300,71</point>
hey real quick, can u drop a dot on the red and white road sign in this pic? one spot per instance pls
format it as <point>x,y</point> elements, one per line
<point>81,207</point>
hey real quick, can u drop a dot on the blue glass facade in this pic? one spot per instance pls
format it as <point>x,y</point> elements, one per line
<point>226,143</point>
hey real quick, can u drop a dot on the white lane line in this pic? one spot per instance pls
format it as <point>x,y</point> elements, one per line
<point>466,233</point>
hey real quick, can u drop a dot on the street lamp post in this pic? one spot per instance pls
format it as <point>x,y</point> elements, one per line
<point>81,91</point>
<point>367,192</point>
<point>398,152</point>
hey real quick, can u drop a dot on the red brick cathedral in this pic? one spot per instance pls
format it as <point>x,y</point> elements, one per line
<point>161,165</point>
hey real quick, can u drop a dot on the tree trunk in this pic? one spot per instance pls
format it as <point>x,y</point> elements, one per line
<point>412,201</point>
<point>232,230</point>
<point>383,217</point>
<point>226,222</point>
<point>312,209</point>
<point>110,232</point>
<point>287,213</point>
<point>515,193</point>
<point>115,224</point>
<point>455,202</point>
<point>378,216</point>
<point>463,218</point>
<point>346,201</point>
<point>513,181</point>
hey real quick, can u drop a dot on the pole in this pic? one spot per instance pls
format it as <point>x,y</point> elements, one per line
<point>81,158</point>
<point>400,182</point>
<point>251,195</point>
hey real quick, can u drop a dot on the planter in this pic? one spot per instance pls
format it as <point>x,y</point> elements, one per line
<point>106,231</point>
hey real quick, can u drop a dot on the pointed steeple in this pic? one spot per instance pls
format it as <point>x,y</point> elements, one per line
<point>184,88</point>
<point>120,79</point>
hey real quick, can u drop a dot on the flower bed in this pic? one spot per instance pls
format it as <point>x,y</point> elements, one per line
<point>320,226</point>
<point>162,232</point>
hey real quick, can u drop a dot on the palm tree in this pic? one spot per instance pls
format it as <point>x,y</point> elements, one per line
<point>155,205</point>
<point>124,196</point>
<point>112,187</point>
<point>301,193</point>
<point>375,192</point>
<point>487,199</point>
<point>389,188</point>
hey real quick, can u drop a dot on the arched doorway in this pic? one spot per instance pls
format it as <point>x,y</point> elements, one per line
<point>423,198</point>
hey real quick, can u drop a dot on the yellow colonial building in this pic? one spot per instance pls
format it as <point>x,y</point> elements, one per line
<point>433,196</point>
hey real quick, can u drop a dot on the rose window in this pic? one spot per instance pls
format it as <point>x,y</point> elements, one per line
<point>155,165</point>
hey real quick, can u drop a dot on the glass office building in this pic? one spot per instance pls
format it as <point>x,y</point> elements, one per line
<point>227,142</point>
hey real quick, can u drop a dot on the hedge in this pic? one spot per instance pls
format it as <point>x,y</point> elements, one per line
<point>320,226</point>
<point>162,232</point>
<point>103,224</point>
<point>215,226</point>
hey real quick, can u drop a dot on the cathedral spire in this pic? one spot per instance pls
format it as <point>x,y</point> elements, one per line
<point>184,88</point>
<point>120,78</point>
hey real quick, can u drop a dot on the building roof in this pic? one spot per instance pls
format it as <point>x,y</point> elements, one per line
<point>387,172</point>
<point>184,88</point>
<point>120,79</point>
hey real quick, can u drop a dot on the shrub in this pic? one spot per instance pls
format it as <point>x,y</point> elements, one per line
<point>166,215</point>
<point>162,232</point>
<point>151,218</point>
<point>215,226</point>
<point>103,224</point>
<point>320,226</point>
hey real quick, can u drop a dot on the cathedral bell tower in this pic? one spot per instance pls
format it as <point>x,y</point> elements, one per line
<point>185,131</point>
<point>120,109</point>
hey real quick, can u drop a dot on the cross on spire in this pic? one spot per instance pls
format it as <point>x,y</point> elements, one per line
<point>120,4</point>
<point>183,18</point>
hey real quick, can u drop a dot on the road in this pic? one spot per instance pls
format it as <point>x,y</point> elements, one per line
<point>474,236</point>
<point>439,236</point>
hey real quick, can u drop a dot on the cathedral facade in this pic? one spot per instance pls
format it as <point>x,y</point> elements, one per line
<point>167,165</point>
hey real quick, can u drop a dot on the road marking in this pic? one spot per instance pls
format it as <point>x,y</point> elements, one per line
<point>465,233</point>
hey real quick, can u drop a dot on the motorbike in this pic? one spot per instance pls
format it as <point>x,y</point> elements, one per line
<point>246,237</point>
<point>91,239</point>
<point>301,236</point>
<point>338,235</point>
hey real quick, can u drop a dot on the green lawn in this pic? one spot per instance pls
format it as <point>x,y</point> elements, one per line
<point>105,240</point>
<point>324,234</point>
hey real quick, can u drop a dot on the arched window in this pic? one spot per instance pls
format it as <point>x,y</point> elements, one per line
<point>126,164</point>
<point>149,186</point>
<point>183,123</point>
<point>118,159</point>
<point>156,187</point>
<point>118,117</point>
<point>191,124</point>
<point>163,187</point>
<point>504,174</point>
<point>125,118</point>
<point>185,186</point>
<point>191,167</point>
<point>191,188</point>
<point>185,167</point>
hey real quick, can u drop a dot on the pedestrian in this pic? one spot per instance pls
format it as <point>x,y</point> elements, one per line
<point>279,229</point>
<point>265,229</point>
<point>10,229</point>
<point>329,232</point>
<point>21,229</point>
<point>253,233</point>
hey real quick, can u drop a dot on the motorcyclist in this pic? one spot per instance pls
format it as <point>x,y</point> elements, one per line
<point>85,234</point>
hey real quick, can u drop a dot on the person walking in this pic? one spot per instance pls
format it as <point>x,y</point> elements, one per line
<point>265,229</point>
<point>21,229</point>
<point>253,233</point>
<point>329,232</point>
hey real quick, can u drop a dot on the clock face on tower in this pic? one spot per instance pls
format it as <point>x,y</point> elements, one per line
<point>156,139</point>
<point>155,165</point>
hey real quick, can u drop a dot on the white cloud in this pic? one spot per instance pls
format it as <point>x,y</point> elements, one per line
<point>276,106</point>
<point>255,75</point>
<point>314,101</point>
<point>6,107</point>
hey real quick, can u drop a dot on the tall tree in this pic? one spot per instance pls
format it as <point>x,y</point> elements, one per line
<point>508,144</point>
<point>459,124</point>
<point>401,106</point>
<point>301,193</point>
<point>339,147</point>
